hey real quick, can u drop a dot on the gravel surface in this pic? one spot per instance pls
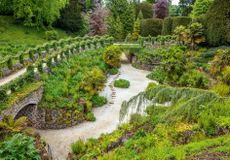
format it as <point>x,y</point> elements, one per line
<point>107,116</point>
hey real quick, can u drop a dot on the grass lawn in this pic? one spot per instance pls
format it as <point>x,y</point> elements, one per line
<point>16,37</point>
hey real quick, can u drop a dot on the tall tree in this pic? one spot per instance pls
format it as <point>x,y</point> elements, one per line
<point>186,6</point>
<point>71,18</point>
<point>124,10</point>
<point>161,9</point>
<point>97,21</point>
<point>200,7</point>
<point>38,13</point>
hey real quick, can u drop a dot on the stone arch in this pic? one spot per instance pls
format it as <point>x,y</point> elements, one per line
<point>27,111</point>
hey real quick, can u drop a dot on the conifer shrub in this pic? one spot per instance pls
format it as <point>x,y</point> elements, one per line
<point>151,26</point>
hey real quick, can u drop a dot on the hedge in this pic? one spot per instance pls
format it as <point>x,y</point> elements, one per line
<point>170,23</point>
<point>167,26</point>
<point>151,26</point>
<point>46,49</point>
<point>181,20</point>
<point>218,23</point>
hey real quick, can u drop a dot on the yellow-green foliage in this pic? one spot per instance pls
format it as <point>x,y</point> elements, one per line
<point>178,132</point>
<point>136,30</point>
<point>93,81</point>
<point>112,56</point>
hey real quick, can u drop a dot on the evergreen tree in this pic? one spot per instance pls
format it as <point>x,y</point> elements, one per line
<point>71,18</point>
<point>116,28</point>
<point>136,30</point>
<point>200,7</point>
<point>140,15</point>
<point>186,6</point>
<point>125,11</point>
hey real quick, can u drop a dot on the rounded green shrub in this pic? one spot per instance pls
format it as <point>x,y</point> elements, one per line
<point>112,56</point>
<point>51,35</point>
<point>122,83</point>
<point>90,117</point>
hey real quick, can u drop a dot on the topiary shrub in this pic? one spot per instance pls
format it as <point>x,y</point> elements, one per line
<point>218,23</point>
<point>51,35</point>
<point>151,26</point>
<point>99,101</point>
<point>112,56</point>
<point>122,83</point>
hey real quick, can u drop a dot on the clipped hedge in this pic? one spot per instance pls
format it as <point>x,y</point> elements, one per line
<point>218,23</point>
<point>181,20</point>
<point>170,23</point>
<point>151,26</point>
<point>167,26</point>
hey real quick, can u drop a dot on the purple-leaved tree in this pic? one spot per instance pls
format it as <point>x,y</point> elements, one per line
<point>161,9</point>
<point>97,21</point>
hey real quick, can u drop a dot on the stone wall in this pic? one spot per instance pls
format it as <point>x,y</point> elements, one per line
<point>33,99</point>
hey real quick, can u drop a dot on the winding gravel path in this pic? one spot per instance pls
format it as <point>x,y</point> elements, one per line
<point>107,116</point>
<point>11,77</point>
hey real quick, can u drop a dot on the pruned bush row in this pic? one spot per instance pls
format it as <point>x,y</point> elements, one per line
<point>34,54</point>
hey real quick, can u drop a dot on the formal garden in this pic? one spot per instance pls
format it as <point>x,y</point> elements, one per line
<point>115,79</point>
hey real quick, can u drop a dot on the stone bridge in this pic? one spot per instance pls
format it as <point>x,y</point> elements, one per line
<point>25,107</point>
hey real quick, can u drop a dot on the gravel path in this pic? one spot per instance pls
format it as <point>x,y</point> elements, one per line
<point>12,76</point>
<point>107,116</point>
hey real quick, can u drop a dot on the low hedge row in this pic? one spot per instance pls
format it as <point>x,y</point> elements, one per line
<point>38,52</point>
<point>160,39</point>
